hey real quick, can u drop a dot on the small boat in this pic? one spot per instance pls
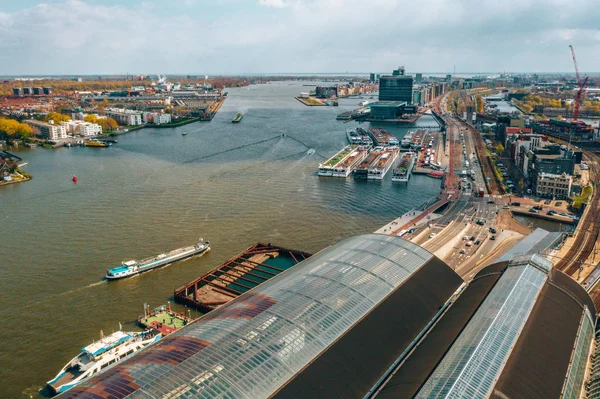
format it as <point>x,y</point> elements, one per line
<point>100,354</point>
<point>74,179</point>
<point>184,134</point>
<point>96,143</point>
<point>237,118</point>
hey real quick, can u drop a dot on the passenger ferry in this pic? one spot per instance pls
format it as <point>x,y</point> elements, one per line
<point>326,169</point>
<point>404,170</point>
<point>99,355</point>
<point>382,137</point>
<point>347,165</point>
<point>407,139</point>
<point>237,118</point>
<point>416,142</point>
<point>358,136</point>
<point>362,169</point>
<point>133,267</point>
<point>96,143</point>
<point>386,160</point>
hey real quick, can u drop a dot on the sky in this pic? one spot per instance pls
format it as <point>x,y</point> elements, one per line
<point>223,37</point>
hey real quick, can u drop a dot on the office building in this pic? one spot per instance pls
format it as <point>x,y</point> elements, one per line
<point>418,78</point>
<point>47,90</point>
<point>376,316</point>
<point>27,91</point>
<point>372,78</point>
<point>397,87</point>
<point>48,130</point>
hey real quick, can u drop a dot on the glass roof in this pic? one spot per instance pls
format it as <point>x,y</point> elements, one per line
<point>251,346</point>
<point>473,363</point>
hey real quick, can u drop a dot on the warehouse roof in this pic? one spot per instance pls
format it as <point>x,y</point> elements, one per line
<point>364,293</point>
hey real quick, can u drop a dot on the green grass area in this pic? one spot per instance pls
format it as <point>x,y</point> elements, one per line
<point>339,157</point>
<point>166,319</point>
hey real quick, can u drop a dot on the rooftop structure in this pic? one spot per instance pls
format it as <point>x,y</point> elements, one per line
<point>397,87</point>
<point>375,316</point>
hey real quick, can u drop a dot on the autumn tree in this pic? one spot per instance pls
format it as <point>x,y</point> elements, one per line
<point>108,124</point>
<point>11,129</point>
<point>56,117</point>
<point>91,118</point>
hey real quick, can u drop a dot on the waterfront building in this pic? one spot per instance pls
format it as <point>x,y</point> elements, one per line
<point>48,130</point>
<point>554,186</point>
<point>38,91</point>
<point>17,91</point>
<point>125,116</point>
<point>397,87</point>
<point>377,316</point>
<point>156,118</point>
<point>27,91</point>
<point>85,129</point>
<point>47,90</point>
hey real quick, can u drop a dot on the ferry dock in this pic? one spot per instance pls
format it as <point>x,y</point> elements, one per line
<point>239,274</point>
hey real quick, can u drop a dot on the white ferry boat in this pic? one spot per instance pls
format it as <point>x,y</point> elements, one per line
<point>379,168</point>
<point>404,170</point>
<point>407,139</point>
<point>347,165</point>
<point>99,355</point>
<point>133,267</point>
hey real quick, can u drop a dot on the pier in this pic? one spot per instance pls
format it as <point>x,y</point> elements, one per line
<point>239,274</point>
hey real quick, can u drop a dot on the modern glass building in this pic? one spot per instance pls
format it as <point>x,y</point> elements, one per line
<point>397,87</point>
<point>374,316</point>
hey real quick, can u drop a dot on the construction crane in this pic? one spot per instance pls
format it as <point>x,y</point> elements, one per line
<point>580,86</point>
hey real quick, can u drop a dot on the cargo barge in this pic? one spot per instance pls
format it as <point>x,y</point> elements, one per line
<point>386,160</point>
<point>361,171</point>
<point>238,275</point>
<point>326,169</point>
<point>382,138</point>
<point>347,165</point>
<point>404,170</point>
<point>358,136</point>
<point>134,267</point>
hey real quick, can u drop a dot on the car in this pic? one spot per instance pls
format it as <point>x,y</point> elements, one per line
<point>505,207</point>
<point>462,251</point>
<point>537,207</point>
<point>533,210</point>
<point>493,238</point>
<point>465,238</point>
<point>550,212</point>
<point>515,203</point>
<point>432,235</point>
<point>563,214</point>
<point>472,238</point>
<point>559,203</point>
<point>547,202</point>
<point>477,242</point>
<point>492,230</point>
<point>469,243</point>
<point>480,222</point>
<point>464,179</point>
<point>491,202</point>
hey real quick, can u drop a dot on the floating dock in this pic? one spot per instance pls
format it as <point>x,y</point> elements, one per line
<point>404,170</point>
<point>236,276</point>
<point>384,162</point>
<point>163,319</point>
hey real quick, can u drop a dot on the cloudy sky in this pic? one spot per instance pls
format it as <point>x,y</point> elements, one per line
<point>296,36</point>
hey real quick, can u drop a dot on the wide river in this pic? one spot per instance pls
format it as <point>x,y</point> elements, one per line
<point>157,190</point>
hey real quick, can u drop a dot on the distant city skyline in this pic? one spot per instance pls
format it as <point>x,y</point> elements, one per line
<point>229,37</point>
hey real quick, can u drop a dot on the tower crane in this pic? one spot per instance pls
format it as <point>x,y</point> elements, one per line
<point>580,86</point>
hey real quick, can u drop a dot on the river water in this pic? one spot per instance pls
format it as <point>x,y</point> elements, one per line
<point>156,190</point>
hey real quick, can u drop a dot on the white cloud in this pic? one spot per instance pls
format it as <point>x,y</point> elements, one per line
<point>233,36</point>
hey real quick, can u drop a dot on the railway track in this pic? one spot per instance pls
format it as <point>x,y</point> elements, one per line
<point>589,226</point>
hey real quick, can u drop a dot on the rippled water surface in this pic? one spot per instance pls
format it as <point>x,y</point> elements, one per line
<point>156,190</point>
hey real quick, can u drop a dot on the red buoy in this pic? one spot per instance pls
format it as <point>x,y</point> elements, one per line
<point>74,179</point>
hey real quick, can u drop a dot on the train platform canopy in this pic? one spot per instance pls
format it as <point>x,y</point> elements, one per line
<point>374,316</point>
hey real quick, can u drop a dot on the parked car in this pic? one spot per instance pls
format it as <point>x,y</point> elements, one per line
<point>515,203</point>
<point>537,207</point>
<point>462,251</point>
<point>432,235</point>
<point>480,222</point>
<point>547,202</point>
<point>491,202</point>
<point>469,243</point>
<point>492,230</point>
<point>472,238</point>
<point>493,238</point>
<point>477,242</point>
<point>533,210</point>
<point>551,212</point>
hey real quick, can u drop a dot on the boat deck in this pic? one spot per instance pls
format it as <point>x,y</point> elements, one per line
<point>241,273</point>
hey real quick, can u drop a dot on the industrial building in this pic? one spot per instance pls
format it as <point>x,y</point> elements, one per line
<point>397,87</point>
<point>376,316</point>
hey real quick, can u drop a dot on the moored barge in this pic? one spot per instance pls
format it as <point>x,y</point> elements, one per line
<point>326,169</point>
<point>386,160</point>
<point>404,169</point>
<point>382,138</point>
